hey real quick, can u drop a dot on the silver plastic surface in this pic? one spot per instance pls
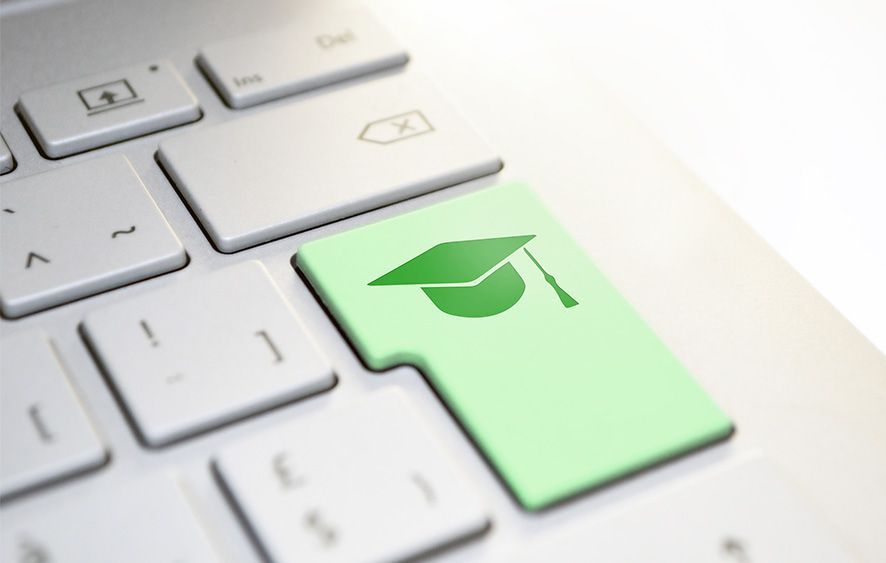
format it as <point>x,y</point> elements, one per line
<point>801,383</point>
<point>6,159</point>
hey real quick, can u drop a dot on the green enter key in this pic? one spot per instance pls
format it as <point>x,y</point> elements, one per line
<point>553,374</point>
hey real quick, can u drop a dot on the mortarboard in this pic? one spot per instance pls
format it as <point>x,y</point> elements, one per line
<point>465,261</point>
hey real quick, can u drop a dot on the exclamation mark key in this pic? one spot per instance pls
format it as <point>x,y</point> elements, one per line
<point>191,362</point>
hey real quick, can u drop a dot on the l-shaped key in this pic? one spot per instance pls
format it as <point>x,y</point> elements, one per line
<point>557,379</point>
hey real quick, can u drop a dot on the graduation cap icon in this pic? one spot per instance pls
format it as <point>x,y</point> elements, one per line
<point>448,274</point>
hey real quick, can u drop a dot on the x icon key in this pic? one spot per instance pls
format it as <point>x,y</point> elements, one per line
<point>396,128</point>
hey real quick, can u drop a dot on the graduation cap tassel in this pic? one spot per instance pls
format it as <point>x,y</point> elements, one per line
<point>566,299</point>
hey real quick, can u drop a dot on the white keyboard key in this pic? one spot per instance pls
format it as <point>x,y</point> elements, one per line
<point>7,163</point>
<point>743,514</point>
<point>149,521</point>
<point>45,433</point>
<point>313,52</point>
<point>298,166</point>
<point>110,107</point>
<point>366,483</point>
<point>199,354</point>
<point>76,231</point>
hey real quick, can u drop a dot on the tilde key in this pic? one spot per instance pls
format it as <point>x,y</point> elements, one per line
<point>553,374</point>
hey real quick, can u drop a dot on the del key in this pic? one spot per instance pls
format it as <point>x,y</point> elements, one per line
<point>310,53</point>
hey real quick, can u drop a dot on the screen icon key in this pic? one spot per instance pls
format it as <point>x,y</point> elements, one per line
<point>107,96</point>
<point>108,107</point>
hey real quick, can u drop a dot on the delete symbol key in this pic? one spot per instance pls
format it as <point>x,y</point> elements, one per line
<point>396,128</point>
<point>107,96</point>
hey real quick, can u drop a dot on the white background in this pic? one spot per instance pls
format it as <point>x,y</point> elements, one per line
<point>778,105</point>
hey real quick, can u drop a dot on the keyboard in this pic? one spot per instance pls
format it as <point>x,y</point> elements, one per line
<point>269,293</point>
